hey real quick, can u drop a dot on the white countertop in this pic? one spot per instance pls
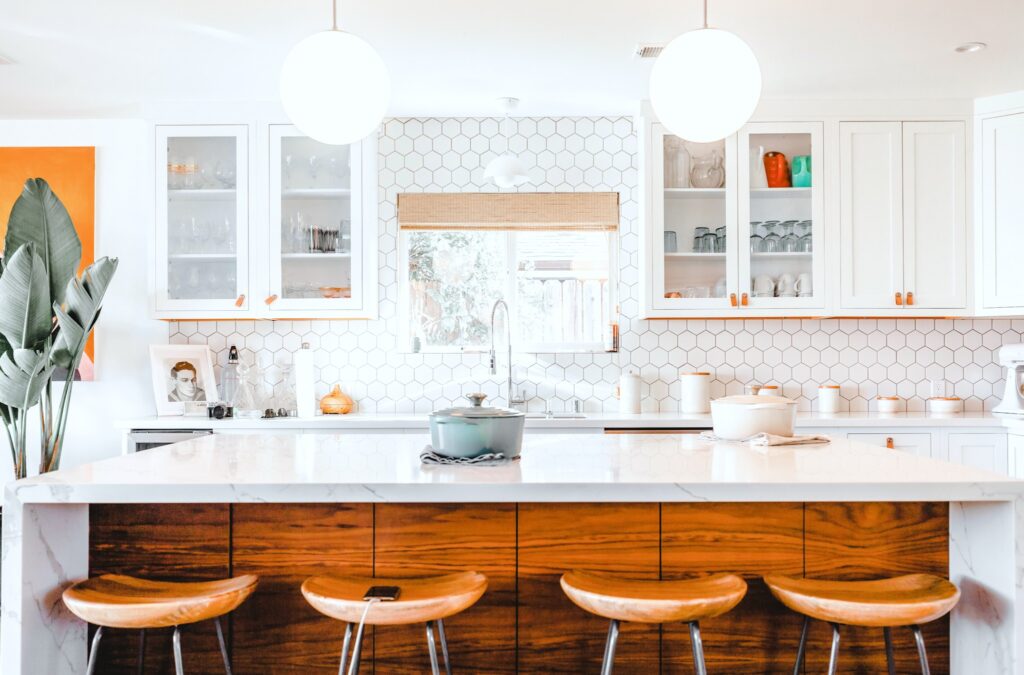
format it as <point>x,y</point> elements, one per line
<point>385,467</point>
<point>602,420</point>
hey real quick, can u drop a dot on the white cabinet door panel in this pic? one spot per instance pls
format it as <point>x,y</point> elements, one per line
<point>917,444</point>
<point>981,451</point>
<point>871,214</point>
<point>934,215</point>
<point>1002,196</point>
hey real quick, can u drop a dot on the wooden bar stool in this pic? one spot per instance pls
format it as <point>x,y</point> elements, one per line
<point>429,600</point>
<point>652,601</point>
<point>884,603</point>
<point>118,601</point>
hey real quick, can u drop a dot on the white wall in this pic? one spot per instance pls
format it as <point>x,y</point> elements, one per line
<point>124,217</point>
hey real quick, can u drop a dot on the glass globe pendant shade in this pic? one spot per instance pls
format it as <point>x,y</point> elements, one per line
<point>507,171</point>
<point>334,87</point>
<point>705,85</point>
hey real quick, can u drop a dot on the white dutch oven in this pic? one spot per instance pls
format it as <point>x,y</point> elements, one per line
<point>737,418</point>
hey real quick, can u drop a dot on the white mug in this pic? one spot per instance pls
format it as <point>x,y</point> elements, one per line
<point>803,285</point>
<point>763,285</point>
<point>786,285</point>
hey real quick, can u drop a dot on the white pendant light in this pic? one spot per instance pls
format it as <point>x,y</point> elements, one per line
<point>507,170</point>
<point>334,87</point>
<point>705,84</point>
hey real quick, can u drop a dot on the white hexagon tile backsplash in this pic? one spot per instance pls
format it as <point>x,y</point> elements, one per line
<point>866,357</point>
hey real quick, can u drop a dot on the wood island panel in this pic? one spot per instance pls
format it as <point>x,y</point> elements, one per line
<point>866,540</point>
<point>759,635</point>
<point>413,540</point>
<point>556,636</point>
<point>276,631</point>
<point>172,542</point>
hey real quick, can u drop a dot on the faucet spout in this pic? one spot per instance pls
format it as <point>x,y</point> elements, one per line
<point>508,335</point>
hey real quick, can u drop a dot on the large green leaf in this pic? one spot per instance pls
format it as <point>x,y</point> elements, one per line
<point>83,301</point>
<point>39,218</point>
<point>23,373</point>
<point>24,300</point>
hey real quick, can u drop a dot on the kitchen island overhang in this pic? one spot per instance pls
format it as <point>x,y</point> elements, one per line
<point>46,519</point>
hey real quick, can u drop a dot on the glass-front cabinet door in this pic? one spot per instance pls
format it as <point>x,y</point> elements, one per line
<point>781,220</point>
<point>317,234</point>
<point>202,219</point>
<point>694,266</point>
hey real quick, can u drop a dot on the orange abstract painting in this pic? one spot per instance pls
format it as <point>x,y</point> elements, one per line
<point>71,172</point>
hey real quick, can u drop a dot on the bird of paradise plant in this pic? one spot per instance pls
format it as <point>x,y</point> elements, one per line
<point>46,316</point>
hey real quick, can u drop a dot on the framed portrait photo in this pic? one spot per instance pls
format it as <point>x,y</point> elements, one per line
<point>181,374</point>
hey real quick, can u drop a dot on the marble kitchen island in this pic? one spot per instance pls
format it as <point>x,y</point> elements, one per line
<point>285,506</point>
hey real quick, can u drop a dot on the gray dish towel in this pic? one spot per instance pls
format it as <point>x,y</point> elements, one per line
<point>428,456</point>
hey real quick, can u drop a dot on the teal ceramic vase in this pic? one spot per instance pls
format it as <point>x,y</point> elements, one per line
<point>802,171</point>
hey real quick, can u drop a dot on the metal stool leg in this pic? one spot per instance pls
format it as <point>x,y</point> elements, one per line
<point>433,649</point>
<point>922,654</point>
<point>444,646</point>
<point>609,648</point>
<point>91,667</point>
<point>357,652</point>
<point>698,649</point>
<point>803,646</point>
<point>179,669</point>
<point>344,648</point>
<point>223,646</point>
<point>142,651</point>
<point>890,659</point>
<point>833,659</point>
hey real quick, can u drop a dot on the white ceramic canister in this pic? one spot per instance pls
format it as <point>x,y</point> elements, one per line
<point>769,390</point>
<point>694,392</point>
<point>888,404</point>
<point>828,398</point>
<point>629,393</point>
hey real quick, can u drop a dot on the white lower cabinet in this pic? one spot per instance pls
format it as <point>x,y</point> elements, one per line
<point>916,444</point>
<point>981,451</point>
<point>1015,455</point>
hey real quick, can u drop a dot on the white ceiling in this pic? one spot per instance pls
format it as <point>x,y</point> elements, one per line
<point>106,57</point>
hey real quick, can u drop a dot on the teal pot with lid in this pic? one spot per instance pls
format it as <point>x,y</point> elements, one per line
<point>477,430</point>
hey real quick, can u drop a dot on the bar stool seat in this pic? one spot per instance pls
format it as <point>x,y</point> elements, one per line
<point>908,600</point>
<point>120,601</point>
<point>653,601</point>
<point>897,601</point>
<point>428,600</point>
<point>421,600</point>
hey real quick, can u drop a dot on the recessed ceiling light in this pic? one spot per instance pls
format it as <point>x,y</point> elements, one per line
<point>970,47</point>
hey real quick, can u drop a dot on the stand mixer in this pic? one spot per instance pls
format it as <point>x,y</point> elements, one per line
<point>1012,357</point>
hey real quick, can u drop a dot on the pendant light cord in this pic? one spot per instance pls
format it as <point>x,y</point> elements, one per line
<point>334,14</point>
<point>705,13</point>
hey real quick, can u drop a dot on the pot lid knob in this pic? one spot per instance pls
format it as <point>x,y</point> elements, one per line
<point>477,399</point>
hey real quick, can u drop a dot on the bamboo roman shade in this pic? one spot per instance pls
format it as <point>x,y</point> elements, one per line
<point>504,211</point>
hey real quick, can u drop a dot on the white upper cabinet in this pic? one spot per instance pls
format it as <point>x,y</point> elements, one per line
<point>903,228</point>
<point>1002,214</point>
<point>257,221</point>
<point>202,220</point>
<point>322,241</point>
<point>724,241</point>
<point>934,215</point>
<point>871,216</point>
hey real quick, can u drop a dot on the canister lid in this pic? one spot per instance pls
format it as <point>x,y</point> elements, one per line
<point>681,373</point>
<point>887,398</point>
<point>829,386</point>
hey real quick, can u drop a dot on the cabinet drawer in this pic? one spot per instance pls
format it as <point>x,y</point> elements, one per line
<point>917,444</point>
<point>981,451</point>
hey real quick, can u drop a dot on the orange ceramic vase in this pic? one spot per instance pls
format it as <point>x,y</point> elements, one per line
<point>776,169</point>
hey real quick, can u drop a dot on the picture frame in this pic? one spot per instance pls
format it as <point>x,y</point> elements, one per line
<point>181,374</point>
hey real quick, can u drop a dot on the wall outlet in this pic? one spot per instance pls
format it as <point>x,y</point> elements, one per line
<point>937,388</point>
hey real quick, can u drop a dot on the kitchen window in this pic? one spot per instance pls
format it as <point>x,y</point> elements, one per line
<point>550,256</point>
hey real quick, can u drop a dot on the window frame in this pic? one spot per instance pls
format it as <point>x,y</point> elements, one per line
<point>404,318</point>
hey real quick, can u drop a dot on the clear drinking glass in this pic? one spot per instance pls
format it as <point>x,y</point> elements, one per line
<point>709,243</point>
<point>698,239</point>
